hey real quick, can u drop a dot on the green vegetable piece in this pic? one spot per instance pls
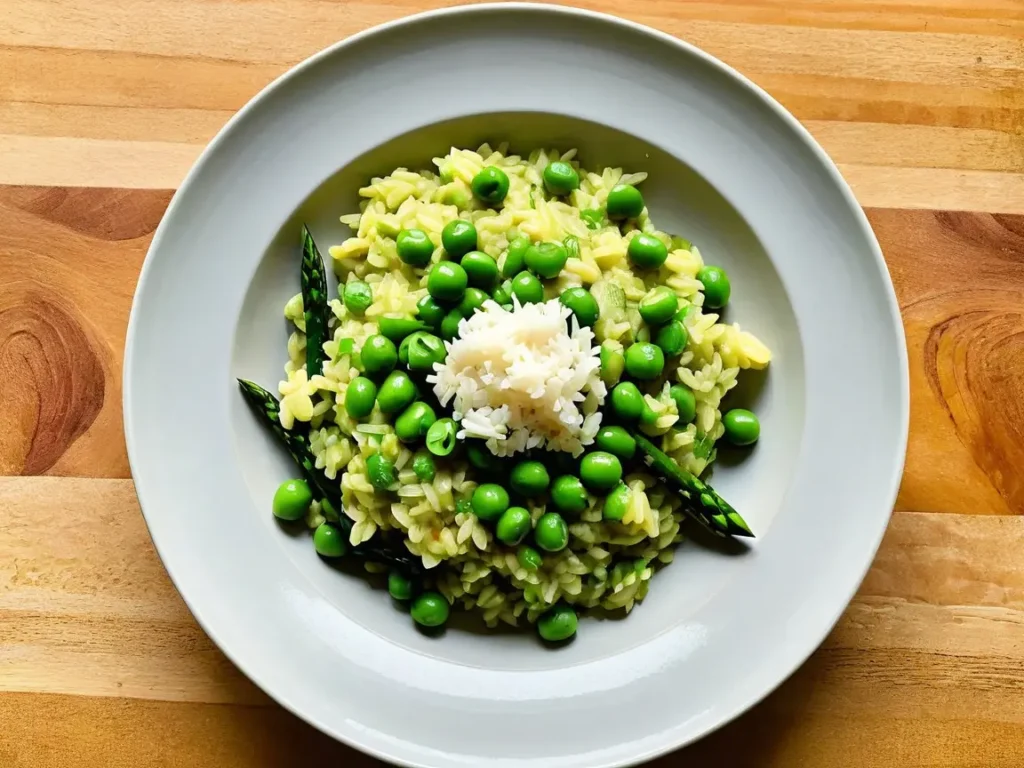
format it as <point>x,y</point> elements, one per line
<point>546,259</point>
<point>582,304</point>
<point>529,557</point>
<point>423,350</point>
<point>683,312</point>
<point>441,437</point>
<point>414,422</point>
<point>430,610</point>
<point>600,471</point>
<point>480,457</point>
<point>328,541</point>
<point>399,585</point>
<point>378,354</point>
<point>686,403</point>
<point>360,395</point>
<point>490,185</point>
<point>397,328</point>
<point>292,499</point>
<point>617,441</point>
<point>572,246</point>
<point>513,525</point>
<point>593,218</point>
<point>646,251</point>
<point>447,282</point>
<point>568,494</point>
<point>357,297</point>
<point>503,293</point>
<point>314,303</point>
<point>716,286</point>
<point>450,324</point>
<point>430,312</point>
<point>560,178</point>
<point>627,402</point>
<point>612,365</point>
<point>397,391</point>
<point>658,306</point>
<point>624,202</point>
<point>481,269</point>
<point>423,465</point>
<point>414,247</point>
<point>489,501</point>
<point>381,472</point>
<point>644,361</point>
<point>472,300</point>
<point>558,624</point>
<point>527,288</point>
<point>671,338</point>
<point>741,426</point>
<point>616,503</point>
<point>529,478</point>
<point>515,257</point>
<point>551,532</point>
<point>458,238</point>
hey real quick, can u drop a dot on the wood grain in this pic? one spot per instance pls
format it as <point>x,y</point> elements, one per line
<point>95,638</point>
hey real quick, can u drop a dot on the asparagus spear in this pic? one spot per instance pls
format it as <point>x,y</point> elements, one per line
<point>314,303</point>
<point>703,503</point>
<point>296,442</point>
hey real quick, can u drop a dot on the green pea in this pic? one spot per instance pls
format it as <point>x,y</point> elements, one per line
<point>557,624</point>
<point>360,395</point>
<point>472,300</point>
<point>593,218</point>
<point>624,202</point>
<point>458,238</point>
<point>647,251</point>
<point>741,426</point>
<point>647,416</point>
<point>627,402</point>
<point>430,312</point>
<point>716,286</point>
<point>582,304</point>
<point>513,525</point>
<point>612,364</point>
<point>414,247</point>
<point>671,338</point>
<point>292,499</point>
<point>397,328</point>
<point>489,501</point>
<point>546,259</point>
<point>397,391</point>
<point>414,422</point>
<point>441,437</point>
<point>527,288</point>
<point>617,441</point>
<point>422,351</point>
<point>644,361</point>
<point>329,541</point>
<point>430,610</point>
<point>378,354</point>
<point>600,471</point>
<point>568,494</point>
<point>357,296</point>
<point>481,269</point>
<point>529,557</point>
<point>447,281</point>
<point>490,185</point>
<point>450,324</point>
<point>481,457</point>
<point>423,465</point>
<point>686,403</point>
<point>514,257</point>
<point>616,503</point>
<point>381,472</point>
<point>529,478</point>
<point>551,532</point>
<point>399,585</point>
<point>560,178</point>
<point>503,293</point>
<point>658,306</point>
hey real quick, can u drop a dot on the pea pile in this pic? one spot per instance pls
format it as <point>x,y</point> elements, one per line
<point>527,524</point>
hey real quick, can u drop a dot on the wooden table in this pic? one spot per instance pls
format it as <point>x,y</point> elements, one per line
<point>104,104</point>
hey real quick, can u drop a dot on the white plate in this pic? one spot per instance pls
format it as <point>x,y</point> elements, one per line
<point>730,169</point>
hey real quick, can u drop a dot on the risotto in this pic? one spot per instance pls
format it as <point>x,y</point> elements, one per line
<point>510,401</point>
